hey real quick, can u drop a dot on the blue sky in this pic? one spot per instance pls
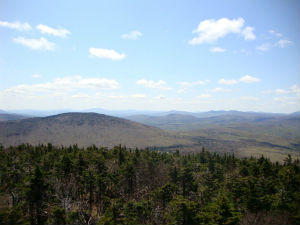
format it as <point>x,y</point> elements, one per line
<point>150,55</point>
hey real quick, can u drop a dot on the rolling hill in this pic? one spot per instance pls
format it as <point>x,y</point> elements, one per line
<point>246,133</point>
<point>86,129</point>
<point>194,121</point>
<point>11,116</point>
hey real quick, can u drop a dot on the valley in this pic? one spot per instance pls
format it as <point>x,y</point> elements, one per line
<point>241,133</point>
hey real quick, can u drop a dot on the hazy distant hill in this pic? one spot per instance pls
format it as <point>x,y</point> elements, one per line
<point>86,129</point>
<point>129,113</point>
<point>247,133</point>
<point>195,121</point>
<point>9,116</point>
<point>170,122</point>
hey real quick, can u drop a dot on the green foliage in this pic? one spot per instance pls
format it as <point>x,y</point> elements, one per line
<point>165,194</point>
<point>220,212</point>
<point>113,214</point>
<point>12,216</point>
<point>183,212</point>
<point>58,185</point>
<point>137,212</point>
<point>59,216</point>
<point>36,196</point>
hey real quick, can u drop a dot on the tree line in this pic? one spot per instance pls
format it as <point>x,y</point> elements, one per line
<point>46,184</point>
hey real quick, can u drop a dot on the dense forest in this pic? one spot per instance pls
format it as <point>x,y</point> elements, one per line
<point>70,185</point>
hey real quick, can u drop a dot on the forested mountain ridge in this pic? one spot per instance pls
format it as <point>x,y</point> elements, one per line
<point>9,116</point>
<point>245,133</point>
<point>194,121</point>
<point>85,129</point>
<point>47,185</point>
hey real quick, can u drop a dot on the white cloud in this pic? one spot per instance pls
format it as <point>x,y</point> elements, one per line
<point>286,100</point>
<point>211,30</point>
<point>101,83</point>
<point>249,79</point>
<point>160,97</point>
<point>60,32</point>
<point>65,84</point>
<point>80,95</point>
<point>267,92</point>
<point>36,44</point>
<point>181,90</point>
<point>244,79</point>
<point>204,96</point>
<point>119,97</point>
<point>295,89</point>
<point>36,75</point>
<point>106,54</point>
<point>283,43</point>
<point>264,47</point>
<point>133,35</point>
<point>227,82</point>
<point>218,89</point>
<point>281,91</point>
<point>16,25</point>
<point>191,84</point>
<point>154,85</point>
<point>186,85</point>
<point>217,49</point>
<point>249,98</point>
<point>275,33</point>
<point>248,33</point>
<point>138,96</point>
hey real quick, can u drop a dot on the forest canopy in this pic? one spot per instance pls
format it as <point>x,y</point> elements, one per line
<point>45,184</point>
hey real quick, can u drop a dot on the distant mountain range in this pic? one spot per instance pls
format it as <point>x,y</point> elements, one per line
<point>195,121</point>
<point>245,133</point>
<point>119,113</point>
<point>86,129</point>
<point>126,113</point>
<point>10,116</point>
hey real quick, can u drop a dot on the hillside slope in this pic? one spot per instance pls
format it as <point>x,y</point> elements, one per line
<point>245,133</point>
<point>86,129</point>
<point>11,116</point>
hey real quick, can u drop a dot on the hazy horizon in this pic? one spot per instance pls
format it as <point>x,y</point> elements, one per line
<point>87,110</point>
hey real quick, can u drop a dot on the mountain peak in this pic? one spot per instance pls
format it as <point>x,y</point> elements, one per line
<point>85,129</point>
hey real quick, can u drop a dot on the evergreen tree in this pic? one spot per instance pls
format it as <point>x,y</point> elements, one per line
<point>36,196</point>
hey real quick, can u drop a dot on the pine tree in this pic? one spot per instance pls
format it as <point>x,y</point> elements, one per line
<point>36,196</point>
